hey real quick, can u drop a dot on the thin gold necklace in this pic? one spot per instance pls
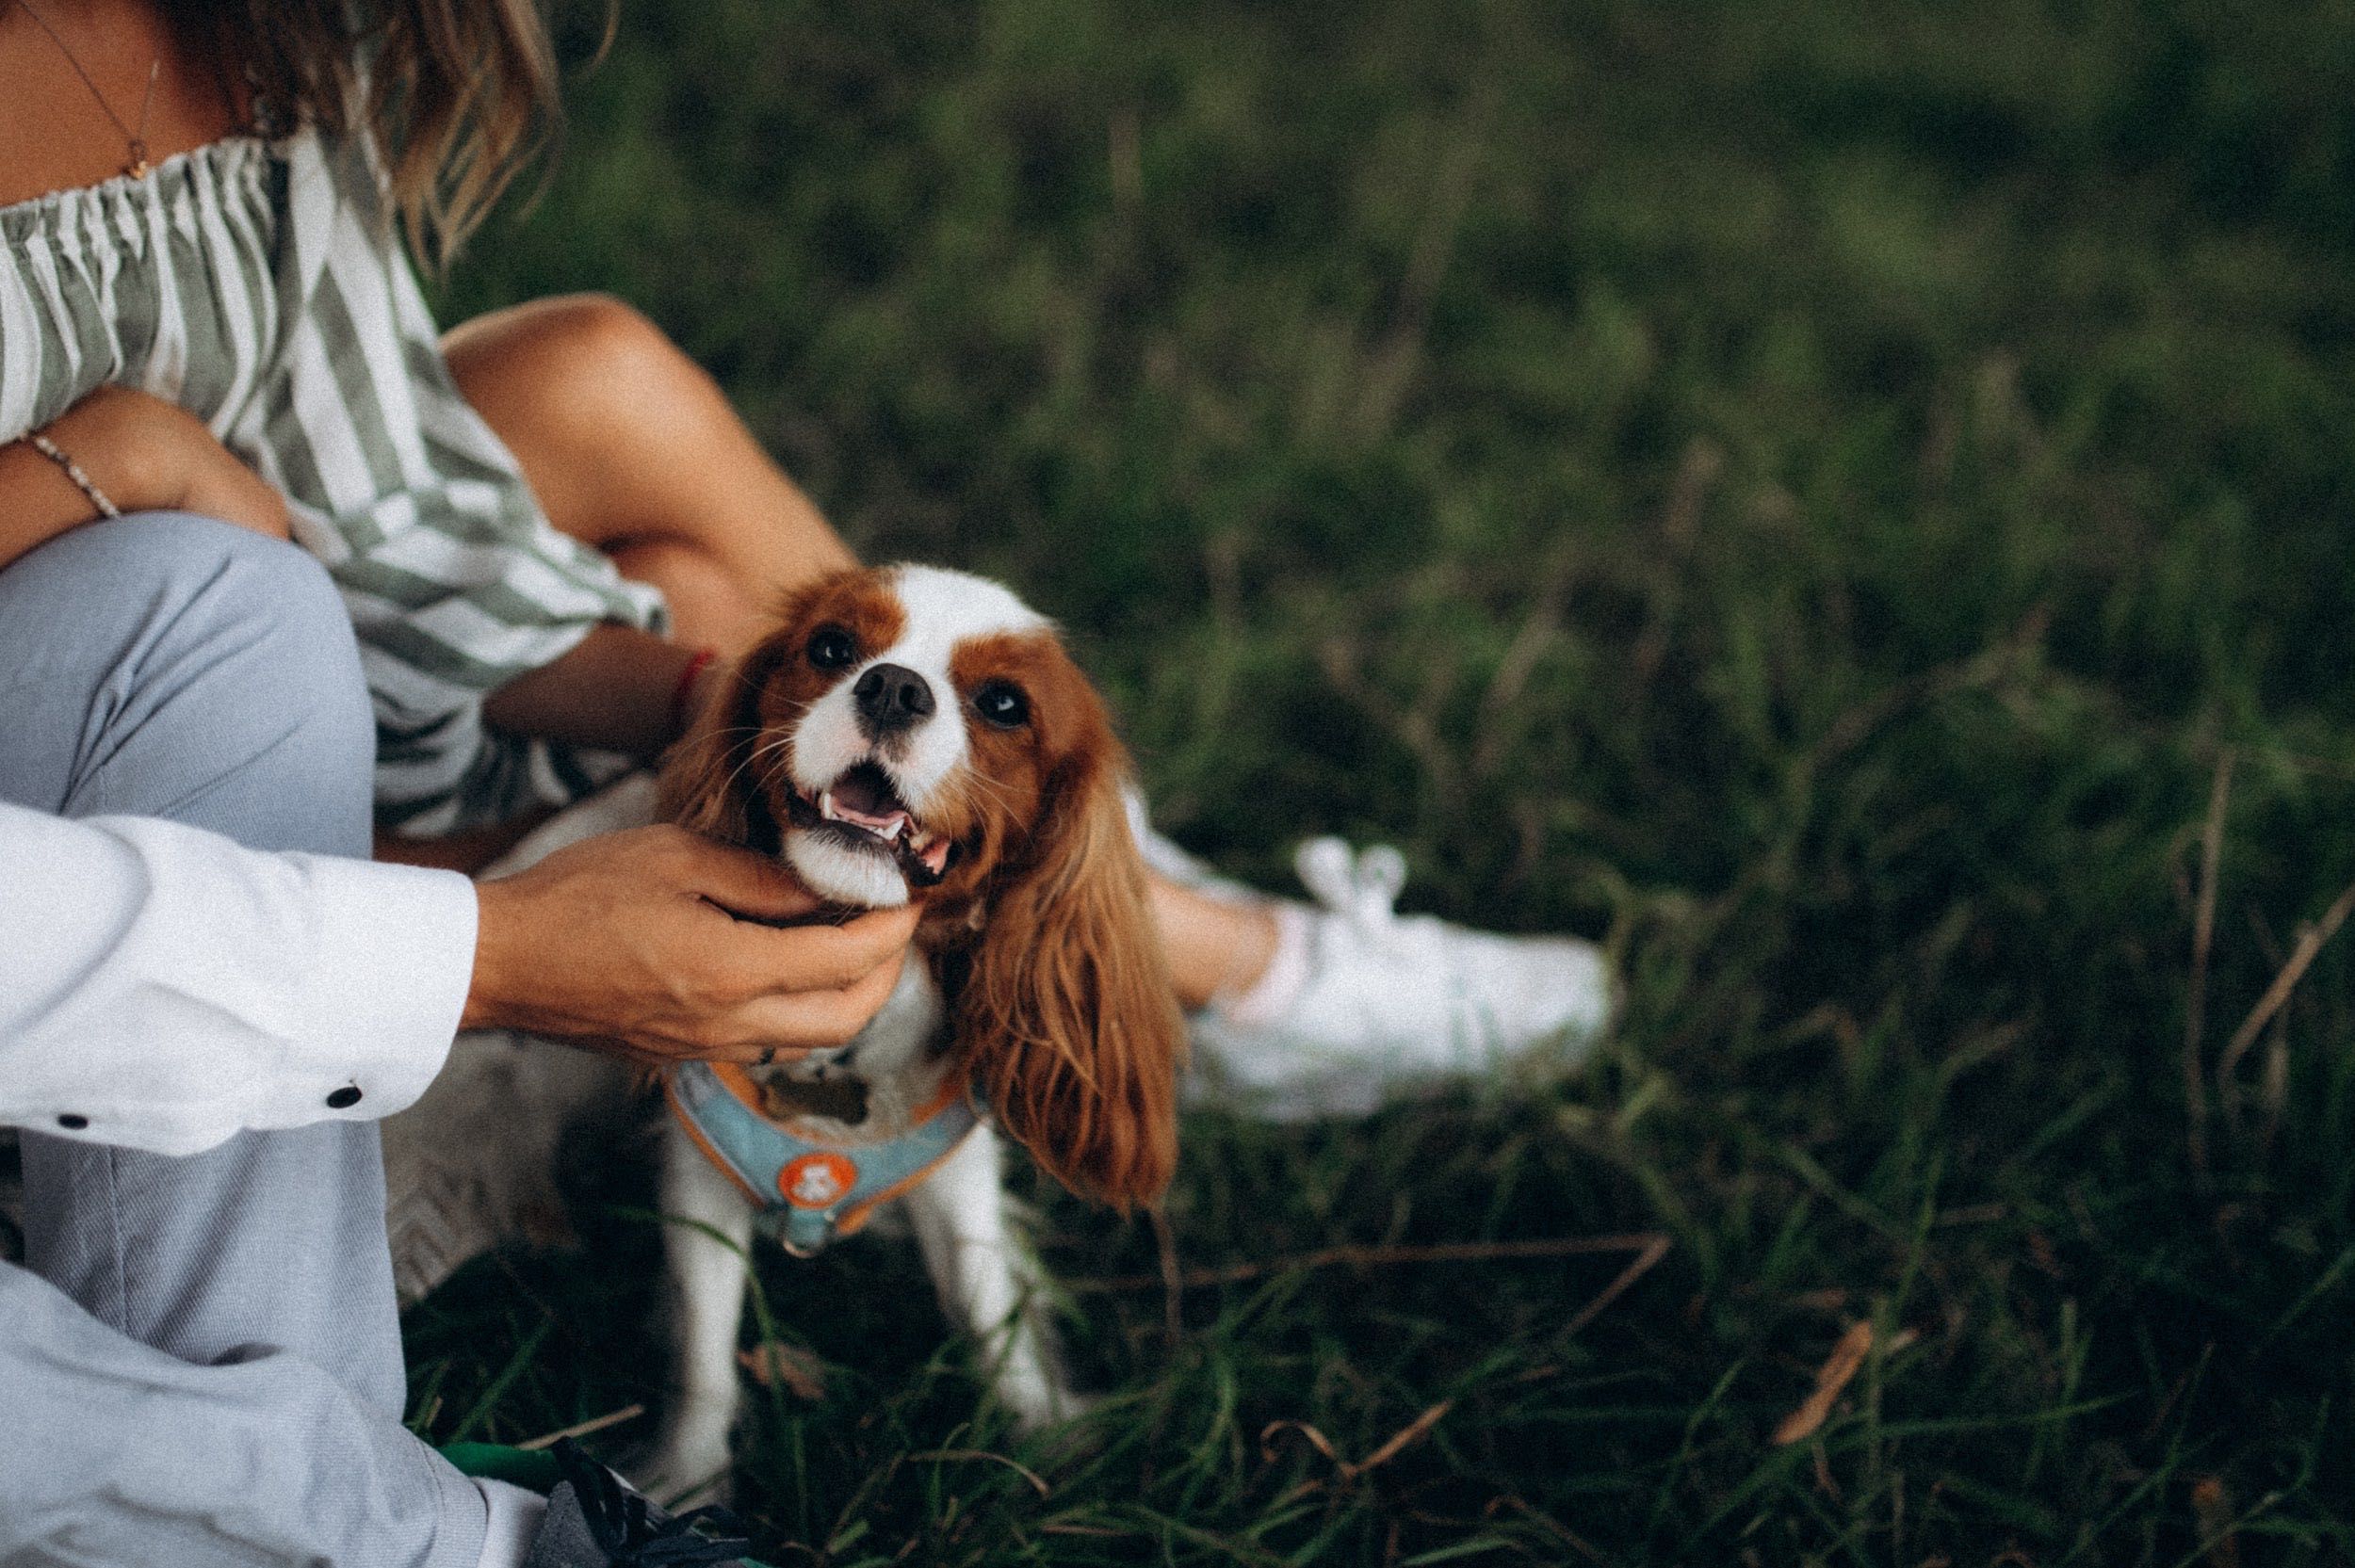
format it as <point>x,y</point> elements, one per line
<point>139,165</point>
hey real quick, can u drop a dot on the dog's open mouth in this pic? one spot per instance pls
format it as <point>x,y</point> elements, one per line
<point>862,809</point>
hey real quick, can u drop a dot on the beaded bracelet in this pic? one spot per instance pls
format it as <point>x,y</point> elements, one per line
<point>684,692</point>
<point>87,486</point>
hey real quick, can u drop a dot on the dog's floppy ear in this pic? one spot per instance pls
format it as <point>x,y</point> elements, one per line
<point>708,782</point>
<point>1067,1010</point>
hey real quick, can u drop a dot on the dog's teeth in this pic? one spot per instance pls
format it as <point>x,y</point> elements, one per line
<point>826,806</point>
<point>891,830</point>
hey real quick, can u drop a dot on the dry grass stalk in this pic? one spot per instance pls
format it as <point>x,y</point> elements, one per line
<point>1411,1432</point>
<point>945,1455</point>
<point>582,1429</point>
<point>1387,369</point>
<point>1680,527</point>
<point>1414,727</point>
<point>1310,1433</point>
<point>1173,1277</point>
<point>2310,941</point>
<point>2273,1082</point>
<point>2202,940</point>
<point>1983,669</point>
<point>1551,1526</point>
<point>1391,1448</point>
<point>787,1366</point>
<point>1654,1249</point>
<point>1539,631</point>
<point>1839,1369</point>
<point>2212,1508</point>
<point>1650,1245</point>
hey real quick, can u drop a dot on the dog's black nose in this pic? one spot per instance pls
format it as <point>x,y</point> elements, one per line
<point>891,697</point>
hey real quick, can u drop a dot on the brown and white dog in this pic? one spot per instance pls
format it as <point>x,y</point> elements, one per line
<point>918,734</point>
<point>907,733</point>
<point>912,733</point>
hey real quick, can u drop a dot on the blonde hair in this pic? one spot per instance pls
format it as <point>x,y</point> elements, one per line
<point>459,94</point>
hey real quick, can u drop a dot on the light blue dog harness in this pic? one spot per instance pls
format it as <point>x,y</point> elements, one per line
<point>816,1192</point>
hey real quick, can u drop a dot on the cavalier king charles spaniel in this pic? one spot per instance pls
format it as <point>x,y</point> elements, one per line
<point>906,734</point>
<point>910,734</point>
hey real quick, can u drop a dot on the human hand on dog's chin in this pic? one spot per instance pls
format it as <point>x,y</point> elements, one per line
<point>664,946</point>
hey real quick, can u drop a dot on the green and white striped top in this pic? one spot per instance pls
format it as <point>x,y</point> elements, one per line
<point>260,284</point>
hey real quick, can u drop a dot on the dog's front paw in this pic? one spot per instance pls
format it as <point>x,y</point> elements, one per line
<point>688,1464</point>
<point>1039,1398</point>
<point>680,1482</point>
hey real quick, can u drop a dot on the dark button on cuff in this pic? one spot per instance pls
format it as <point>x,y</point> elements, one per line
<point>344,1098</point>
<point>73,1123</point>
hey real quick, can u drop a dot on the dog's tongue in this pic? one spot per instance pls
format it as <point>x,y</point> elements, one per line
<point>864,796</point>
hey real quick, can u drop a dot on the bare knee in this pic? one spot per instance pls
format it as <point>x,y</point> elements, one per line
<point>586,391</point>
<point>629,444</point>
<point>593,336</point>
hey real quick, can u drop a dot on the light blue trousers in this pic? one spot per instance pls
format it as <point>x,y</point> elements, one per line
<point>200,1363</point>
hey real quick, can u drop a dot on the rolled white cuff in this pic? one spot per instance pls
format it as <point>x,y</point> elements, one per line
<point>386,982</point>
<point>162,989</point>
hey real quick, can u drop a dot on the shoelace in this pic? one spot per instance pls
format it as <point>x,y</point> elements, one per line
<point>1362,887</point>
<point>623,1523</point>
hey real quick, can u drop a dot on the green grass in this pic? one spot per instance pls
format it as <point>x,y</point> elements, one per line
<point>1812,495</point>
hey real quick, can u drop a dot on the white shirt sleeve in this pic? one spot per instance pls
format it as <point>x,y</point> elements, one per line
<point>163,988</point>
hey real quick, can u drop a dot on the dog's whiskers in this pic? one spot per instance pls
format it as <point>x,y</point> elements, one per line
<point>751,758</point>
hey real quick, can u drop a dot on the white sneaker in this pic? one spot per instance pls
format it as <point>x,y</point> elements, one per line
<point>1359,1001</point>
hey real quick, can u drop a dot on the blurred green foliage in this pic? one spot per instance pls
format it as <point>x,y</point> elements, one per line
<point>1816,493</point>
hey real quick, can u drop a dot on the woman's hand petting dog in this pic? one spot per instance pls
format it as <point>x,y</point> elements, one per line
<point>660,944</point>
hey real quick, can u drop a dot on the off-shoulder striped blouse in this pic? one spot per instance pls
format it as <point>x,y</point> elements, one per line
<point>259,286</point>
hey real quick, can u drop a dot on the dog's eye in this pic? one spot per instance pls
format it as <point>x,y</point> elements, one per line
<point>832,648</point>
<point>1001,704</point>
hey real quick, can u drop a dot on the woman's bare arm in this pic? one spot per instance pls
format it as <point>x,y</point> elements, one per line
<point>618,688</point>
<point>145,455</point>
<point>631,448</point>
